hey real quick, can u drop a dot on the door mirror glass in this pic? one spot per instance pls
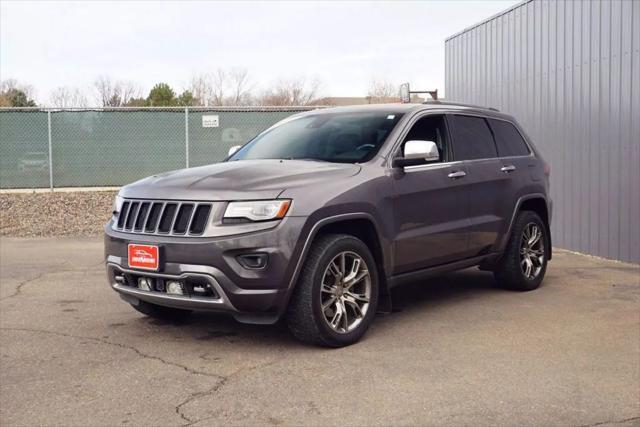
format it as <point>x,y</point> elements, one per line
<point>233,150</point>
<point>425,150</point>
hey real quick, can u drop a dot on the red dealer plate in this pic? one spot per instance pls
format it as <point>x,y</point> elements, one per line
<point>143,256</point>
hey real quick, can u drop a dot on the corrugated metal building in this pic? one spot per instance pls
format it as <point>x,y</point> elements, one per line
<point>569,71</point>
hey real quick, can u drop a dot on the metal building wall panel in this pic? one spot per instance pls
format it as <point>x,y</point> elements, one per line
<point>569,71</point>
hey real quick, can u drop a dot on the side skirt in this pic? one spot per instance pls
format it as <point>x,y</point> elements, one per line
<point>412,276</point>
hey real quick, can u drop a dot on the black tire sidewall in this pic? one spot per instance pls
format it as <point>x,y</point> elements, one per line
<point>343,244</point>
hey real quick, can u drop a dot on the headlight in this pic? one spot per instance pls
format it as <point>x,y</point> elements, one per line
<point>117,204</point>
<point>263,210</point>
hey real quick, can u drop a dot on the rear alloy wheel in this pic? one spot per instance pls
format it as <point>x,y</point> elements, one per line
<point>532,256</point>
<point>336,296</point>
<point>524,262</point>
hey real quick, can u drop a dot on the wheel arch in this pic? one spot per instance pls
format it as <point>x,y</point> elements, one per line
<point>537,203</point>
<point>361,225</point>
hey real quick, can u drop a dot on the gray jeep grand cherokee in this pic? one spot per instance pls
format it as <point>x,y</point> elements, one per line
<point>319,216</point>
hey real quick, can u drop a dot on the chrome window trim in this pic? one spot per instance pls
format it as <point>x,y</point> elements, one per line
<point>434,165</point>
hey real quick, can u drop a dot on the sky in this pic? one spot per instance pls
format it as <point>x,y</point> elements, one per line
<point>344,45</point>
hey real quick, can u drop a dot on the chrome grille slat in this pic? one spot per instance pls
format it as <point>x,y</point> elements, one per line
<point>133,211</point>
<point>136,217</point>
<point>193,214</point>
<point>175,217</point>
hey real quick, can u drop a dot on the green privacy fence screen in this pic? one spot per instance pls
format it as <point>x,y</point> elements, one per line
<point>111,147</point>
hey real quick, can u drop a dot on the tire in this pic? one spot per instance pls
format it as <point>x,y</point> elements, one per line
<point>305,317</point>
<point>163,313</point>
<point>511,271</point>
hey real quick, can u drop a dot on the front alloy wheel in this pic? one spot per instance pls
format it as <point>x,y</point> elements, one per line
<point>345,292</point>
<point>336,296</point>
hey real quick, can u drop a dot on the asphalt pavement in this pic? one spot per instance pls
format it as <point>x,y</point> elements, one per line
<point>456,351</point>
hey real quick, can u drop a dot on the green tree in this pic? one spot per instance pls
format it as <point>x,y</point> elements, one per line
<point>135,102</point>
<point>161,96</point>
<point>186,99</point>
<point>17,98</point>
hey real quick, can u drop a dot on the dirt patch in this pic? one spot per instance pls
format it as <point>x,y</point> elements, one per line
<point>55,214</point>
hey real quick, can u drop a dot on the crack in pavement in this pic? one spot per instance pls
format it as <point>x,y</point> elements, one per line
<point>601,423</point>
<point>115,344</point>
<point>18,289</point>
<point>194,396</point>
<point>221,380</point>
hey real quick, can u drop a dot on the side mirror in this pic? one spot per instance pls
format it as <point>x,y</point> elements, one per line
<point>233,150</point>
<point>417,152</point>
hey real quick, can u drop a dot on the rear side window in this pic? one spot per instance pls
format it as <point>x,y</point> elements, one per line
<point>508,139</point>
<point>472,138</point>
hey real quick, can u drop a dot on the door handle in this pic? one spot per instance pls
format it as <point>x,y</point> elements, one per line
<point>458,174</point>
<point>507,169</point>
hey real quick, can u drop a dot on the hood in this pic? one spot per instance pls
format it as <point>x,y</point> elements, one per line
<point>238,180</point>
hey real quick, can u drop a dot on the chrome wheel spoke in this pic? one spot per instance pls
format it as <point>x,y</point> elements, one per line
<point>355,267</point>
<point>329,303</point>
<point>528,267</point>
<point>535,237</point>
<point>334,270</point>
<point>337,316</point>
<point>345,317</point>
<point>356,297</point>
<point>354,305</point>
<point>364,273</point>
<point>327,289</point>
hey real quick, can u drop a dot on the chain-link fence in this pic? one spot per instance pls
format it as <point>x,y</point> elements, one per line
<point>114,146</point>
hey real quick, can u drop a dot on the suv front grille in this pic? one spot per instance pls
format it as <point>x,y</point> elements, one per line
<point>163,217</point>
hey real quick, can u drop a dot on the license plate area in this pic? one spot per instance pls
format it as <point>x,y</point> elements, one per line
<point>144,257</point>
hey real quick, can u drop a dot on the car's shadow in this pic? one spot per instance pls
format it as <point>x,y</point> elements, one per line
<point>418,296</point>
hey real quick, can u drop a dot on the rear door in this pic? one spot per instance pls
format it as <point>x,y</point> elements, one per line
<point>516,163</point>
<point>488,186</point>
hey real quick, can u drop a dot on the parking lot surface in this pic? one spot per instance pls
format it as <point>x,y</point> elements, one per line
<point>455,351</point>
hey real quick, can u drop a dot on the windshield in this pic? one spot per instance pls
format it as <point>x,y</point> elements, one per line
<point>339,137</point>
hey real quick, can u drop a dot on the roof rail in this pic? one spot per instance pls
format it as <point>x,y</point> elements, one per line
<point>460,104</point>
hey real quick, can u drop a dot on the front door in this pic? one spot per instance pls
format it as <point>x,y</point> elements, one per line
<point>430,205</point>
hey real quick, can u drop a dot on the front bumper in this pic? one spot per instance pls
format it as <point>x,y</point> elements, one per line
<point>252,296</point>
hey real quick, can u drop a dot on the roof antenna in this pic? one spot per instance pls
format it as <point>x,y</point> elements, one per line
<point>406,92</point>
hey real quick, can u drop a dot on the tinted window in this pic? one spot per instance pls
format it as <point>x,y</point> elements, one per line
<point>472,138</point>
<point>430,128</point>
<point>508,139</point>
<point>331,137</point>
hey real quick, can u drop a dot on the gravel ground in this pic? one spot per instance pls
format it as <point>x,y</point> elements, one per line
<point>55,214</point>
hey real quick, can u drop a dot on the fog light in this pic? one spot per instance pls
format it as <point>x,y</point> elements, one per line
<point>175,288</point>
<point>145,283</point>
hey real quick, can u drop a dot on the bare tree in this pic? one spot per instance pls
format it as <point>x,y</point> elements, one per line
<point>66,97</point>
<point>382,91</point>
<point>291,92</point>
<point>240,87</point>
<point>200,87</point>
<point>115,94</point>
<point>218,81</point>
<point>222,87</point>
